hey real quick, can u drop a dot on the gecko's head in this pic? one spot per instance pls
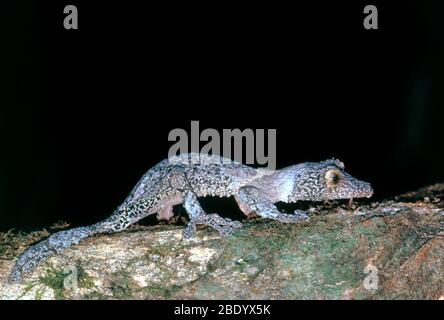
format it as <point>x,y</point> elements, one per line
<point>327,180</point>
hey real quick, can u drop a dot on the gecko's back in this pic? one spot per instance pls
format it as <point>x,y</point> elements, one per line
<point>207,175</point>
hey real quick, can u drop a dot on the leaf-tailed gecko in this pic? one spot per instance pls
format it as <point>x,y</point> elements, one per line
<point>183,179</point>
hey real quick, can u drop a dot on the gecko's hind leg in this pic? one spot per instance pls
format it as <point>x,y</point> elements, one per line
<point>224,226</point>
<point>252,198</point>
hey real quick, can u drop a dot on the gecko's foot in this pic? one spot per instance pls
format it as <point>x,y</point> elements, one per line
<point>297,216</point>
<point>224,226</point>
<point>34,255</point>
<point>301,215</point>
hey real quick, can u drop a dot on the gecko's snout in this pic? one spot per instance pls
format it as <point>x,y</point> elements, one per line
<point>364,189</point>
<point>358,188</point>
<point>369,190</point>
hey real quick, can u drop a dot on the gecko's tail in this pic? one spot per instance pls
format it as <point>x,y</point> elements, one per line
<point>59,241</point>
<point>34,255</point>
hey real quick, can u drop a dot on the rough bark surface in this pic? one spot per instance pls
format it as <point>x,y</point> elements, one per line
<point>388,250</point>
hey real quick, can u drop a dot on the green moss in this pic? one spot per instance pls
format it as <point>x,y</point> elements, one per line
<point>54,279</point>
<point>85,280</point>
<point>121,285</point>
<point>28,287</point>
<point>162,292</point>
<point>319,262</point>
<point>212,290</point>
<point>372,229</point>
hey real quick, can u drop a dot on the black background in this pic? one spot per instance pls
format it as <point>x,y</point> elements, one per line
<point>86,112</point>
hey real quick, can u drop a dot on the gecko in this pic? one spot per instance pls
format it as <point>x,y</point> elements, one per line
<point>184,178</point>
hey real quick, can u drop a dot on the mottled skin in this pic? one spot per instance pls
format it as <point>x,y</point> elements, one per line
<point>182,179</point>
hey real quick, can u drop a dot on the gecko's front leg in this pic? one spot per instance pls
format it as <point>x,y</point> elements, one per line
<point>224,226</point>
<point>252,198</point>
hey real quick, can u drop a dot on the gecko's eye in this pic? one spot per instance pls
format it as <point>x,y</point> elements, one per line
<point>332,177</point>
